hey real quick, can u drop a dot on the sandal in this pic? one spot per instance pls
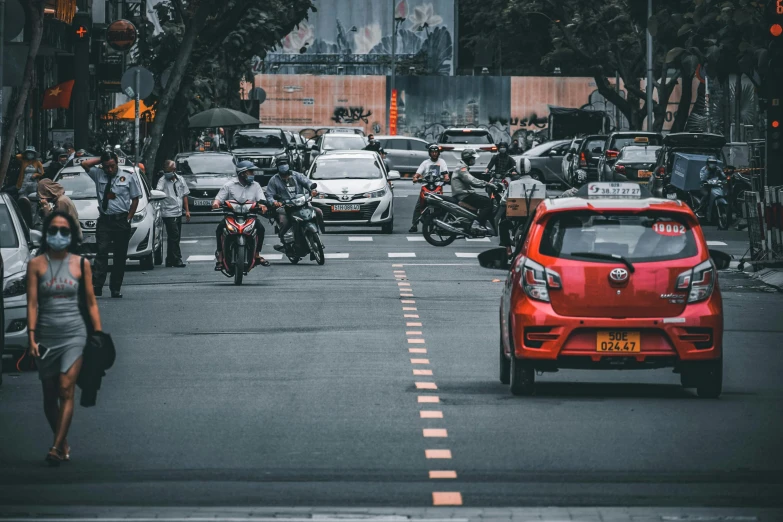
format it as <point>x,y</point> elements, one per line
<point>263,262</point>
<point>54,458</point>
<point>67,454</point>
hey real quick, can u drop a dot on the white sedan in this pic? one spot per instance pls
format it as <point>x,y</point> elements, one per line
<point>354,189</point>
<point>146,244</point>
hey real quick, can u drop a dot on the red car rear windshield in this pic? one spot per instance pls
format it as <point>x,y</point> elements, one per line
<point>652,236</point>
<point>466,138</point>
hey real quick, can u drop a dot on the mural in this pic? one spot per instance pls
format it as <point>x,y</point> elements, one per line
<point>357,36</point>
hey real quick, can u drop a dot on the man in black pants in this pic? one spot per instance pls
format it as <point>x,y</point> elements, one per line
<point>118,197</point>
<point>463,186</point>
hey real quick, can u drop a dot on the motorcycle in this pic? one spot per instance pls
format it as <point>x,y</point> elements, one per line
<point>303,237</point>
<point>445,219</point>
<point>720,210</point>
<point>738,184</point>
<point>239,241</point>
<point>431,183</point>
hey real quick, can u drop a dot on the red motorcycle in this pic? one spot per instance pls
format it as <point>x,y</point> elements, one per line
<point>431,183</point>
<point>239,242</point>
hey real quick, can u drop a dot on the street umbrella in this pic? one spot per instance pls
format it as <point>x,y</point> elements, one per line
<point>221,118</point>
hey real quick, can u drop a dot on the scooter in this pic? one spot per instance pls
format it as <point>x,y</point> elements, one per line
<point>303,237</point>
<point>445,219</point>
<point>239,241</point>
<point>431,183</point>
<point>720,205</point>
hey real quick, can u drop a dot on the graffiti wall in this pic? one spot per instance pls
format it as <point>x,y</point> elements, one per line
<point>357,36</point>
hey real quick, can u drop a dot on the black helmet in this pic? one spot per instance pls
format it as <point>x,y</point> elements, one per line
<point>469,156</point>
<point>433,148</point>
<point>502,145</point>
<point>60,152</point>
<point>281,160</point>
<point>712,161</point>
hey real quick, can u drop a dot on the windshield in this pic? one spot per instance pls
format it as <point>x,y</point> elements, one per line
<point>542,149</point>
<point>591,145</point>
<point>652,236</point>
<point>77,185</point>
<point>466,138</point>
<point>624,141</point>
<point>207,164</point>
<point>8,237</point>
<point>642,155</point>
<point>258,140</point>
<point>346,168</point>
<point>349,142</point>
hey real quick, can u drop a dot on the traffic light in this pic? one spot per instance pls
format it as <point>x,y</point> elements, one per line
<point>774,93</point>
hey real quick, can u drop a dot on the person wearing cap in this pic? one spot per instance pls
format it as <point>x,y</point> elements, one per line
<point>515,149</point>
<point>30,171</point>
<point>118,198</point>
<point>59,161</point>
<point>176,190</point>
<point>68,146</point>
<point>242,190</point>
<point>52,198</point>
<point>286,184</point>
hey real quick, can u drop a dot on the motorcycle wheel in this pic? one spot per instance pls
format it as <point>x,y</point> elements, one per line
<point>239,264</point>
<point>294,259</point>
<point>316,248</point>
<point>723,218</point>
<point>437,237</point>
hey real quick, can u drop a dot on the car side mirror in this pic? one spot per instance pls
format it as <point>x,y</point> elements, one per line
<point>157,195</point>
<point>36,237</point>
<point>494,259</point>
<point>314,186</point>
<point>394,174</point>
<point>553,153</point>
<point>569,156</point>
<point>572,151</point>
<point>722,260</point>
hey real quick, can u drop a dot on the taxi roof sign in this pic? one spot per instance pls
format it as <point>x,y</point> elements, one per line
<point>641,139</point>
<point>613,190</point>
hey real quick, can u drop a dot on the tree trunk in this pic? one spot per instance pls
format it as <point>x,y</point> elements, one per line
<point>34,10</point>
<point>684,107</point>
<point>197,23</point>
<point>612,95</point>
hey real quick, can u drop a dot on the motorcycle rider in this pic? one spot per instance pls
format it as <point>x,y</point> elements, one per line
<point>434,164</point>
<point>515,149</point>
<point>462,188</point>
<point>57,164</point>
<point>285,184</point>
<point>709,171</point>
<point>502,162</point>
<point>243,189</point>
<point>375,146</point>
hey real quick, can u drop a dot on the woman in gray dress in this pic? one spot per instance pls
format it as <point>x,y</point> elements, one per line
<point>55,324</point>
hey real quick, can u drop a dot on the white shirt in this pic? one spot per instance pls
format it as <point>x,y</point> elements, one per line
<point>236,191</point>
<point>439,167</point>
<point>175,190</point>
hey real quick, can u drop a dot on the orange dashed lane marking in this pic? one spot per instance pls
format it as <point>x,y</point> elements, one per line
<point>446,498</point>
<point>412,324</point>
<point>417,350</point>
<point>437,454</point>
<point>409,309</point>
<point>443,474</point>
<point>430,432</point>
<point>415,341</point>
<point>431,414</point>
<point>420,361</point>
<point>411,316</point>
<point>413,332</point>
<point>406,295</point>
<point>408,301</point>
<point>403,284</point>
<point>426,386</point>
<point>397,266</point>
<point>428,398</point>
<point>422,372</point>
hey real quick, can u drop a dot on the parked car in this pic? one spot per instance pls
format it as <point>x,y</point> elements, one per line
<point>453,141</point>
<point>585,158</point>
<point>262,146</point>
<point>336,141</point>
<point>146,243</point>
<point>354,189</point>
<point>17,245</point>
<point>404,153</point>
<point>635,164</point>
<point>615,143</point>
<point>570,150</point>
<point>591,280</point>
<point>684,143</point>
<point>205,173</point>
<point>546,161</point>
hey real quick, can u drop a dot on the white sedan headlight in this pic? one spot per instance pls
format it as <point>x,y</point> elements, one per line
<point>377,193</point>
<point>15,285</point>
<point>139,216</point>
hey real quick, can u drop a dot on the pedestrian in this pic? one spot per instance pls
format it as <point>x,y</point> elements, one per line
<point>52,198</point>
<point>56,327</point>
<point>68,146</point>
<point>375,146</point>
<point>118,198</point>
<point>172,207</point>
<point>515,149</point>
<point>59,161</point>
<point>30,171</point>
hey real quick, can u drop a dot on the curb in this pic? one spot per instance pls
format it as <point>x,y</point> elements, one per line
<point>771,276</point>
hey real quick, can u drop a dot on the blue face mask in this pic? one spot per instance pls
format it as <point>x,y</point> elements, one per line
<point>58,242</point>
<point>282,169</point>
<point>169,175</point>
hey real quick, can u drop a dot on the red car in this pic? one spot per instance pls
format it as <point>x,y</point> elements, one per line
<point>612,279</point>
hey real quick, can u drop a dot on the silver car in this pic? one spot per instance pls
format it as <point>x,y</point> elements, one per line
<point>453,141</point>
<point>546,161</point>
<point>404,154</point>
<point>17,244</point>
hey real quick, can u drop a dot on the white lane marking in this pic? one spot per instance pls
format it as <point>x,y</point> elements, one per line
<point>416,238</point>
<point>716,243</point>
<point>273,257</point>
<point>402,254</point>
<point>360,238</point>
<point>336,256</point>
<point>401,195</point>
<point>466,254</point>
<point>478,240</point>
<point>188,241</point>
<point>192,259</point>
<point>439,264</point>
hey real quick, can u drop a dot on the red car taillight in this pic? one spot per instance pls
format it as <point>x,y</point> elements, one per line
<point>660,172</point>
<point>537,281</point>
<point>620,169</point>
<point>582,159</point>
<point>493,148</point>
<point>699,282</point>
<point>445,147</point>
<point>612,154</point>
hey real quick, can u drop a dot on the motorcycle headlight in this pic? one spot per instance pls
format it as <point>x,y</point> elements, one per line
<point>15,285</point>
<point>139,216</point>
<point>377,193</point>
<point>230,227</point>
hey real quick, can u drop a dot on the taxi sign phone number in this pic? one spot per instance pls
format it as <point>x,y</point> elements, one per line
<point>614,189</point>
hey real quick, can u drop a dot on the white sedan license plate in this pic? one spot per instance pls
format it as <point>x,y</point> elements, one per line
<point>202,202</point>
<point>346,208</point>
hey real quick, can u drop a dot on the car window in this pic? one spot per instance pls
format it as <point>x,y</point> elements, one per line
<point>623,141</point>
<point>336,167</point>
<point>340,142</point>
<point>418,145</point>
<point>641,154</point>
<point>8,238</point>
<point>562,150</point>
<point>539,150</point>
<point>652,236</point>
<point>22,222</point>
<point>77,185</point>
<point>466,138</point>
<point>258,140</point>
<point>206,164</point>
<point>591,145</point>
<point>396,144</point>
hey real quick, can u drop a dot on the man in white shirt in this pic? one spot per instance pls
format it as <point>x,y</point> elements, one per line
<point>172,208</point>
<point>434,164</point>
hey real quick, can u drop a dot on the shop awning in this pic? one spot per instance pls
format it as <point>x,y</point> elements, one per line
<point>127,111</point>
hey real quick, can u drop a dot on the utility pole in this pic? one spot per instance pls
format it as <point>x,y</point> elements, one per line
<point>649,68</point>
<point>137,88</point>
<point>393,57</point>
<point>2,72</point>
<point>773,90</point>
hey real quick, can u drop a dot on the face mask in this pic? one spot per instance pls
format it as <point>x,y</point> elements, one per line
<point>372,141</point>
<point>169,175</point>
<point>58,242</point>
<point>243,179</point>
<point>30,156</point>
<point>503,150</point>
<point>283,170</point>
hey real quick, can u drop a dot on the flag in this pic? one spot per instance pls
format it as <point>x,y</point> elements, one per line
<point>59,96</point>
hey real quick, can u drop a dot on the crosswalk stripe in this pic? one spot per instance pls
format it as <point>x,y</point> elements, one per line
<point>716,243</point>
<point>336,256</point>
<point>402,254</point>
<point>416,238</point>
<point>273,257</point>
<point>360,238</point>
<point>466,254</point>
<point>188,241</point>
<point>479,240</point>
<point>192,259</point>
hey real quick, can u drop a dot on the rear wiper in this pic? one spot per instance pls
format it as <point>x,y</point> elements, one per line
<point>607,257</point>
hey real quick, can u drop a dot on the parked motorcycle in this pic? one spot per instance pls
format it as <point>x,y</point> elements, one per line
<point>431,183</point>
<point>240,239</point>
<point>445,219</point>
<point>303,237</point>
<point>738,184</point>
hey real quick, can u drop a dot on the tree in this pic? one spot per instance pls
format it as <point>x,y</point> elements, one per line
<point>213,43</point>
<point>34,11</point>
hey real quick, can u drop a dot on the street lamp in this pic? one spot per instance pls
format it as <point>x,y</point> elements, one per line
<point>396,22</point>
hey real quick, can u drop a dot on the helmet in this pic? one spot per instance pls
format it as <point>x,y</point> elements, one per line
<point>246,166</point>
<point>30,148</point>
<point>712,162</point>
<point>80,153</point>
<point>281,160</point>
<point>469,156</point>
<point>60,152</point>
<point>502,145</point>
<point>433,148</point>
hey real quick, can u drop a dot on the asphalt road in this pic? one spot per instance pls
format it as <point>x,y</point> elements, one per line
<point>300,389</point>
